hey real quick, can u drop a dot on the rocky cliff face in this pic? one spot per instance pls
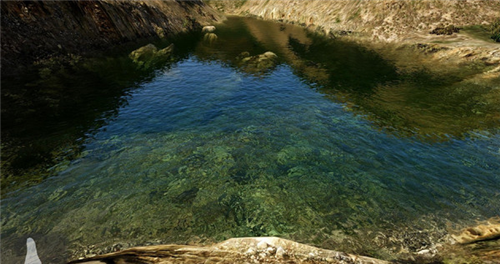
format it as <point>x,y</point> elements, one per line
<point>38,29</point>
<point>387,20</point>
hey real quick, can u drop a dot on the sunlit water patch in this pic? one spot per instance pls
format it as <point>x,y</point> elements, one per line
<point>206,151</point>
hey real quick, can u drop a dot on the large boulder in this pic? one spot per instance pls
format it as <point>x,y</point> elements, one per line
<point>148,56</point>
<point>257,63</point>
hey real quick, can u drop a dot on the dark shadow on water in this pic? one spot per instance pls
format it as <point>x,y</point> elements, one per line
<point>50,110</point>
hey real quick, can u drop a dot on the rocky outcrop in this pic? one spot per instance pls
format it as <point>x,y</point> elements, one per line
<point>387,20</point>
<point>235,250</point>
<point>34,30</point>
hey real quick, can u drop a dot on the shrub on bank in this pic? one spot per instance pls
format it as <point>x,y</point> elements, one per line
<point>495,31</point>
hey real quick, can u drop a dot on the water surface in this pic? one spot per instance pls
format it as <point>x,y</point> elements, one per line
<point>334,146</point>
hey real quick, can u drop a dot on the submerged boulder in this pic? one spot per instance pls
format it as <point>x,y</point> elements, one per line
<point>257,63</point>
<point>149,55</point>
<point>210,38</point>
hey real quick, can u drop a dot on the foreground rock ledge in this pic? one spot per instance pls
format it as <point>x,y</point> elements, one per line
<point>234,250</point>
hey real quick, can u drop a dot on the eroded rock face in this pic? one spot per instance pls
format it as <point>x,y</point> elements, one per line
<point>235,250</point>
<point>33,30</point>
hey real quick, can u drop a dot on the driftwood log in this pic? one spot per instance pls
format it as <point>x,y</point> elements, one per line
<point>478,233</point>
<point>235,250</point>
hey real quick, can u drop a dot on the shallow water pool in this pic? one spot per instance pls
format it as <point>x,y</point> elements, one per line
<point>333,146</point>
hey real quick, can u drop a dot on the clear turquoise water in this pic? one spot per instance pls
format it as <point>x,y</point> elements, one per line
<point>204,151</point>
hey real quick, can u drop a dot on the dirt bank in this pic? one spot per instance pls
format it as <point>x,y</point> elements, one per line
<point>387,20</point>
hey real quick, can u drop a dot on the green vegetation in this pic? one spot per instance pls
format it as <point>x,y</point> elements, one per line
<point>478,32</point>
<point>487,33</point>
<point>495,31</point>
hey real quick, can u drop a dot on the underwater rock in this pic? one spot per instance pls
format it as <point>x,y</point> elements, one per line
<point>166,51</point>
<point>257,63</point>
<point>234,250</point>
<point>478,233</point>
<point>149,55</point>
<point>208,29</point>
<point>243,55</point>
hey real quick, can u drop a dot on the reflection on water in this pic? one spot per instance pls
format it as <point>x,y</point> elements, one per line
<point>201,150</point>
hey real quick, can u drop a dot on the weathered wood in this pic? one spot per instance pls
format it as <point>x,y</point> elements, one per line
<point>478,233</point>
<point>235,250</point>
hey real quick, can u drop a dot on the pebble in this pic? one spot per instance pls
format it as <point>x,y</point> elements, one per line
<point>424,252</point>
<point>250,251</point>
<point>271,250</point>
<point>262,245</point>
<point>280,252</point>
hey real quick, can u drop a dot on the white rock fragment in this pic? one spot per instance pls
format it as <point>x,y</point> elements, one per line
<point>250,251</point>
<point>280,252</point>
<point>262,245</point>
<point>424,252</point>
